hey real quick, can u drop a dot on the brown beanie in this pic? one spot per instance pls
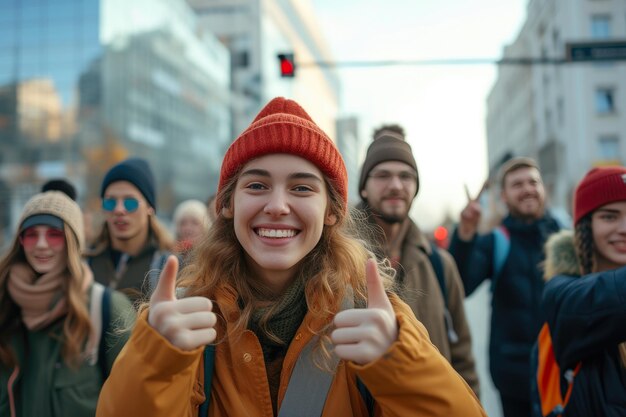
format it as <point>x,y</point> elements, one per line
<point>57,204</point>
<point>284,127</point>
<point>386,147</point>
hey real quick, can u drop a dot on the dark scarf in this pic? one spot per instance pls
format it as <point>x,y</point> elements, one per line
<point>289,311</point>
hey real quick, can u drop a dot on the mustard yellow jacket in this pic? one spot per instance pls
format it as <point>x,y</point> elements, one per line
<point>153,378</point>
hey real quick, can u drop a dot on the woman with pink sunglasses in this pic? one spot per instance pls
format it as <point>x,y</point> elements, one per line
<point>58,336</point>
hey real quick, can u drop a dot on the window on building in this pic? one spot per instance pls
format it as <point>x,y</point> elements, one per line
<point>608,148</point>
<point>605,100</point>
<point>600,26</point>
<point>556,41</point>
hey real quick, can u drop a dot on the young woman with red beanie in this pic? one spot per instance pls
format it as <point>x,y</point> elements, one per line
<point>300,316</point>
<point>584,301</point>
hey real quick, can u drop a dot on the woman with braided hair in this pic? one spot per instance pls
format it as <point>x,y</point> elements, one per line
<point>584,301</point>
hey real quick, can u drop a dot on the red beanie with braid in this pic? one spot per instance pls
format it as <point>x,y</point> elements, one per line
<point>284,127</point>
<point>599,187</point>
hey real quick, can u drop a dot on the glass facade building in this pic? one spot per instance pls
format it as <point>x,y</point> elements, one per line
<point>86,83</point>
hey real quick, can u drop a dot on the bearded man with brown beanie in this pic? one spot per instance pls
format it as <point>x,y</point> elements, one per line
<point>388,184</point>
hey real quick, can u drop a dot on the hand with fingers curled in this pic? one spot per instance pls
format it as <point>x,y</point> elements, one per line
<point>364,335</point>
<point>187,323</point>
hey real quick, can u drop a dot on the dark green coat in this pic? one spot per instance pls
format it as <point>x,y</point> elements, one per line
<point>133,276</point>
<point>45,385</point>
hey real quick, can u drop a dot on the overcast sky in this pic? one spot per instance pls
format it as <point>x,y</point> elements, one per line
<point>442,108</point>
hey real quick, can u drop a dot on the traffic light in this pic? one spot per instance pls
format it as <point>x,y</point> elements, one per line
<point>441,233</point>
<point>287,65</point>
<point>441,236</point>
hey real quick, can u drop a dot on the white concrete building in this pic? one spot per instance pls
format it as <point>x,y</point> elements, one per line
<point>570,116</point>
<point>256,31</point>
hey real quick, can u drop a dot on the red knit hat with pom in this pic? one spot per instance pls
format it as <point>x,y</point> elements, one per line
<point>599,187</point>
<point>284,127</point>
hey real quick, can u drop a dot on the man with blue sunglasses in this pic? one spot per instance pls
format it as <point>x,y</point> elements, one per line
<point>133,245</point>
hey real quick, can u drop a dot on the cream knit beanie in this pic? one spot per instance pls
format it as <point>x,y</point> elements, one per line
<point>56,203</point>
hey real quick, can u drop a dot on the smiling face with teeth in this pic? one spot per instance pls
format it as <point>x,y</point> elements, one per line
<point>608,225</point>
<point>523,193</point>
<point>279,210</point>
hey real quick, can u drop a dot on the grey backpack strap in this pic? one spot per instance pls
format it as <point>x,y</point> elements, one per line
<point>308,386</point>
<point>156,265</point>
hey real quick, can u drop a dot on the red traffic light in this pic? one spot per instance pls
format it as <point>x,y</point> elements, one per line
<point>440,233</point>
<point>287,65</point>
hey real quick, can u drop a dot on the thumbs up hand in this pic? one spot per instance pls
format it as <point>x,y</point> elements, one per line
<point>187,323</point>
<point>364,335</point>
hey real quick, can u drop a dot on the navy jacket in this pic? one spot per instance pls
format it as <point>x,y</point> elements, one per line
<point>516,297</point>
<point>587,319</point>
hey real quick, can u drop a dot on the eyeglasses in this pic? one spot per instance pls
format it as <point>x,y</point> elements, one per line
<point>30,237</point>
<point>130,204</point>
<point>405,177</point>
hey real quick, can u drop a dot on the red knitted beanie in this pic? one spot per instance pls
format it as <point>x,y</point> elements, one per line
<point>284,127</point>
<point>600,186</point>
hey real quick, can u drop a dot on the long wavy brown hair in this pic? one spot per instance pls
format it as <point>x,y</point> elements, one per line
<point>586,251</point>
<point>76,323</point>
<point>334,269</point>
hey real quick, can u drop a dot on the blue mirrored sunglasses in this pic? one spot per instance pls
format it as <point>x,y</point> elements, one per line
<point>130,204</point>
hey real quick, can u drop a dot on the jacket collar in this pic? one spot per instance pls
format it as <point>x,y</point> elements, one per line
<point>413,237</point>
<point>226,300</point>
<point>561,258</point>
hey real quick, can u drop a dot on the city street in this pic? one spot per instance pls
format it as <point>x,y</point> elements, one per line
<point>478,310</point>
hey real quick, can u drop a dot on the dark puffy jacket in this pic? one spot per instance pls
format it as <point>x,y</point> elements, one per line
<point>587,320</point>
<point>516,297</point>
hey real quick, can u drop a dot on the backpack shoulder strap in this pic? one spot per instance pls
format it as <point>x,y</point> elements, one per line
<point>501,248</point>
<point>308,386</point>
<point>106,324</point>
<point>100,316</point>
<point>209,363</point>
<point>95,317</point>
<point>156,265</point>
<point>549,377</point>
<point>435,261</point>
<point>437,264</point>
<point>368,399</point>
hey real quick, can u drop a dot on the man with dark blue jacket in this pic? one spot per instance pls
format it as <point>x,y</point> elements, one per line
<point>517,285</point>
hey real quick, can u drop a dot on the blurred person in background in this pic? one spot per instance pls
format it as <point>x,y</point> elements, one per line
<point>60,184</point>
<point>517,283</point>
<point>584,301</point>
<point>191,223</point>
<point>49,339</point>
<point>426,277</point>
<point>133,245</point>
